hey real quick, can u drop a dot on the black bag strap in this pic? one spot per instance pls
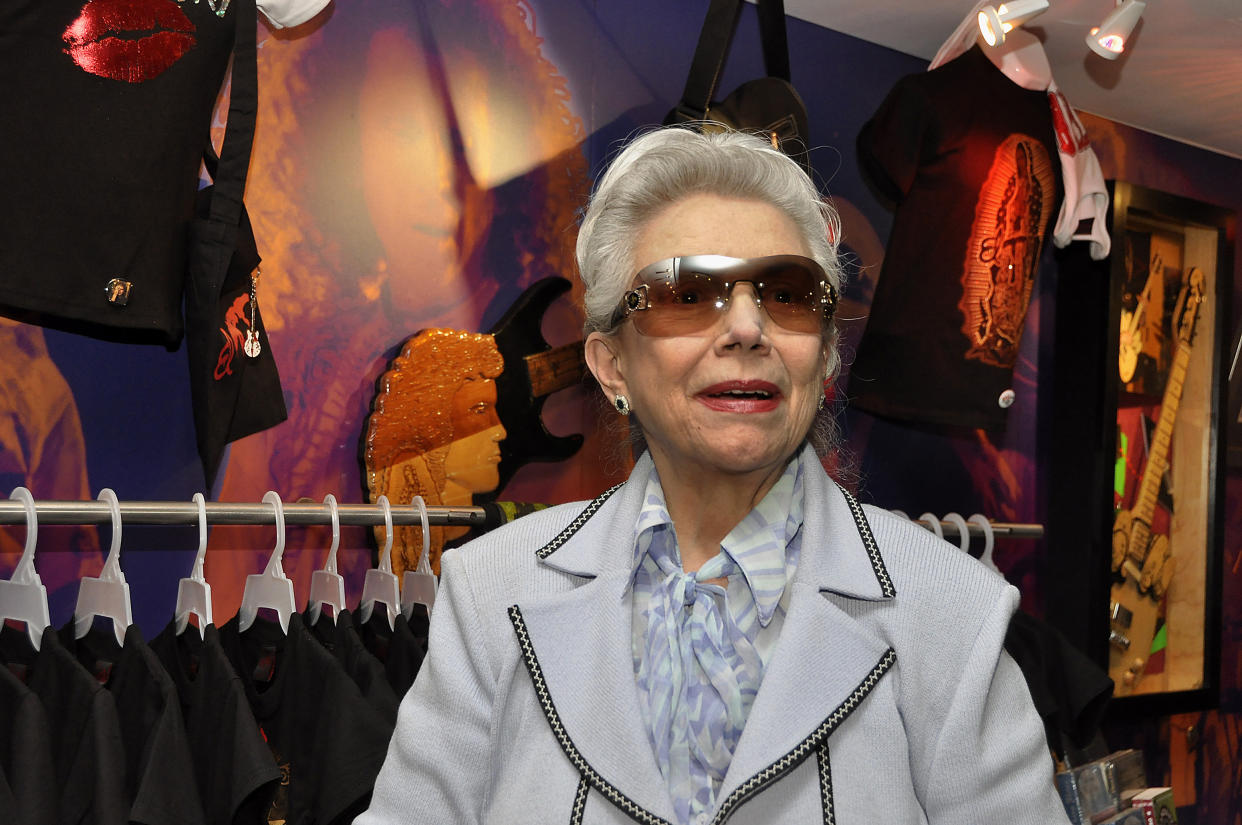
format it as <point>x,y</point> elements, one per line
<point>713,50</point>
<point>228,171</point>
<point>773,36</point>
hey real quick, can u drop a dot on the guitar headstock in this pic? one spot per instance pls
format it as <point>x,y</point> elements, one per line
<point>1187,310</point>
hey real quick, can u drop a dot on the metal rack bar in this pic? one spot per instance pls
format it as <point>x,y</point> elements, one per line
<point>218,512</point>
<point>307,513</point>
<point>1000,529</point>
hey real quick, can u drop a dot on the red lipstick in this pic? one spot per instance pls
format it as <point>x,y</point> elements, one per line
<point>129,40</point>
<point>741,396</point>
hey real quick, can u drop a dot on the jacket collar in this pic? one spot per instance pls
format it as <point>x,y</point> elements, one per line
<point>577,647</point>
<point>845,559</point>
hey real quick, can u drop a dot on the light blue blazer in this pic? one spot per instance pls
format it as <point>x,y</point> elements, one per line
<point>888,697</point>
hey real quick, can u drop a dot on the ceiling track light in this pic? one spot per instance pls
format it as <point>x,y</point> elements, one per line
<point>997,21</point>
<point>1109,39</point>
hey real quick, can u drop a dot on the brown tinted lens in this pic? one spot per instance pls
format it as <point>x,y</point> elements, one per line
<point>691,306</point>
<point>790,294</point>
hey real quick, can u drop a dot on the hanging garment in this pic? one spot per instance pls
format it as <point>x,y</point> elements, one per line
<point>234,769</point>
<point>341,639</point>
<point>159,771</point>
<point>401,647</point>
<point>88,757</point>
<point>119,97</point>
<point>94,238</point>
<point>328,741</point>
<point>27,791</point>
<point>970,160</point>
<point>1070,691</point>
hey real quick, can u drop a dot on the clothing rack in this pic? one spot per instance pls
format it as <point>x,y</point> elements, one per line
<point>303,512</point>
<point>300,512</point>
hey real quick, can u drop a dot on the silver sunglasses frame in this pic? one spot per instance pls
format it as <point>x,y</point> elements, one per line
<point>636,299</point>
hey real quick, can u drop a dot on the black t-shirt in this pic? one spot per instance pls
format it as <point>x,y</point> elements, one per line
<point>27,791</point>
<point>236,774</point>
<point>971,160</point>
<point>159,771</point>
<point>401,647</point>
<point>341,639</point>
<point>328,741</point>
<point>88,756</point>
<point>1070,691</point>
<point>100,152</point>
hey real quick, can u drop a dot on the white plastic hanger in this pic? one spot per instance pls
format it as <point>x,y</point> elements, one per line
<point>963,532</point>
<point>327,586</point>
<point>934,523</point>
<point>194,593</point>
<point>380,585</point>
<point>419,585</point>
<point>108,595</point>
<point>989,539</point>
<point>271,588</point>
<point>23,598</point>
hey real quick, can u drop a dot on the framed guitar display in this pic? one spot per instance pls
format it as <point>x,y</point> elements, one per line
<point>1171,269</point>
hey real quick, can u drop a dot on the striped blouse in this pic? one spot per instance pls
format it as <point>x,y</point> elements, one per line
<point>699,649</point>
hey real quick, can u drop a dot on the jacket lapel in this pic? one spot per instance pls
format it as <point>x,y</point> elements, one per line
<point>577,647</point>
<point>825,663</point>
<point>822,669</point>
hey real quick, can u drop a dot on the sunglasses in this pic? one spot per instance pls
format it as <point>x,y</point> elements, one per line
<point>689,294</point>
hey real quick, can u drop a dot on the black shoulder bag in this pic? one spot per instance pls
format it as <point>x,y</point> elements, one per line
<point>769,105</point>
<point>234,383</point>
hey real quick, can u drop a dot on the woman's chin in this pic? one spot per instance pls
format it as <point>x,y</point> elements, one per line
<point>734,457</point>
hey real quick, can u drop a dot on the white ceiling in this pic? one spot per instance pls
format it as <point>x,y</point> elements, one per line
<point>1181,77</point>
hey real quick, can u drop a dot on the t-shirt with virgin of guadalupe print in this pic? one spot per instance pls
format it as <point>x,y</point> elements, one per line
<point>236,773</point>
<point>329,742</point>
<point>159,772</point>
<point>88,759</point>
<point>970,160</point>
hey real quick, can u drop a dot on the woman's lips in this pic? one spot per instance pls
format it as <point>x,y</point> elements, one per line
<point>741,396</point>
<point>129,40</point>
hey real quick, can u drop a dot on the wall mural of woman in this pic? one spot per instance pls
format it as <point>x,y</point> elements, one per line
<point>416,165</point>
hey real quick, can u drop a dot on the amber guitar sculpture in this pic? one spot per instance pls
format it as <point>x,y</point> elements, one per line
<point>1143,561</point>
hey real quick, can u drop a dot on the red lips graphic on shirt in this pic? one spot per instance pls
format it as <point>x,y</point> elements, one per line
<point>129,40</point>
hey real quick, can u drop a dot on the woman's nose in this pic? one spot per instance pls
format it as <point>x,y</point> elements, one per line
<point>745,320</point>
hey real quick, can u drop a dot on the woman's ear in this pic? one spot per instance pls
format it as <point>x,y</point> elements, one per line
<point>603,359</point>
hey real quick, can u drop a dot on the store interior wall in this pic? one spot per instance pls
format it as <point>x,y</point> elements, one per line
<point>419,164</point>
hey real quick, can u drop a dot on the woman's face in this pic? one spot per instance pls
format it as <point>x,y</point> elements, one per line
<point>680,387</point>
<point>473,457</point>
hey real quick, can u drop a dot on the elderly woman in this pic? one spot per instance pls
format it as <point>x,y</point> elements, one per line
<point>728,635</point>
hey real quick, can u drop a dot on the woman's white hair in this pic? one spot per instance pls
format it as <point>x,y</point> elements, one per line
<point>665,165</point>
